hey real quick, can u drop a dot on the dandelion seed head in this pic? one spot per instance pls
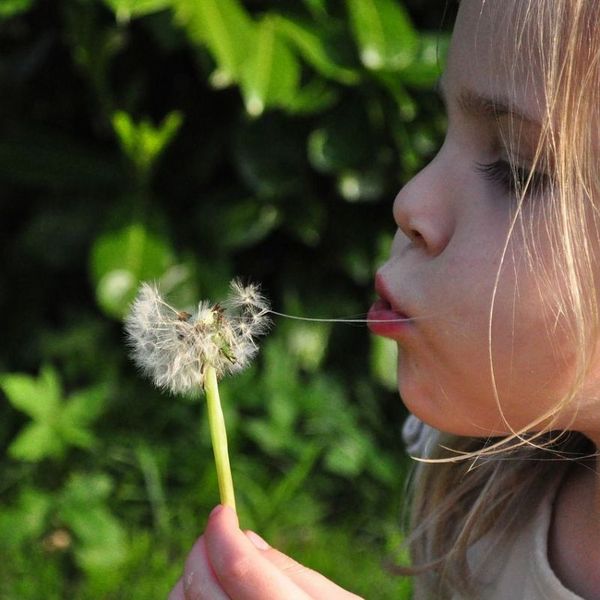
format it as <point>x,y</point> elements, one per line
<point>174,347</point>
<point>248,296</point>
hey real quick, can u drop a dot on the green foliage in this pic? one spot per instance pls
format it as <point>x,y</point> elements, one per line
<point>128,9</point>
<point>187,142</point>
<point>334,553</point>
<point>383,361</point>
<point>9,8</point>
<point>82,508</point>
<point>271,76</point>
<point>121,260</point>
<point>315,43</point>
<point>385,36</point>
<point>56,423</point>
<point>226,28</point>
<point>142,143</point>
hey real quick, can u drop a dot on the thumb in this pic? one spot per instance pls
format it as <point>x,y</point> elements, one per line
<point>310,581</point>
<point>241,570</point>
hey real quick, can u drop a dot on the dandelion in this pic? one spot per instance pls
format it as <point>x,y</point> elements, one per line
<point>187,353</point>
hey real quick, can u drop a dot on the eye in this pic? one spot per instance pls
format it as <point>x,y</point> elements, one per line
<point>514,179</point>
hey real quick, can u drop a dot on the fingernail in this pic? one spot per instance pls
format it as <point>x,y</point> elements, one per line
<point>187,584</point>
<point>215,511</point>
<point>257,540</point>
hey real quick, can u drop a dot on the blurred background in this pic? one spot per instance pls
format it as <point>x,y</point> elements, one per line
<point>188,142</point>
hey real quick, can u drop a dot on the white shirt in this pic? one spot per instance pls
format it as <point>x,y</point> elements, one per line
<point>522,569</point>
<point>518,571</point>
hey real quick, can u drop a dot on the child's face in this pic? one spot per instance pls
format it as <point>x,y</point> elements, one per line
<point>453,222</point>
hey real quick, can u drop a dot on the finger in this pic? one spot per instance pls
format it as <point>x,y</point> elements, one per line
<point>242,571</point>
<point>177,591</point>
<point>312,582</point>
<point>199,581</point>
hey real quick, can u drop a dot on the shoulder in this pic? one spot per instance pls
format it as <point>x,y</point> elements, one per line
<point>517,565</point>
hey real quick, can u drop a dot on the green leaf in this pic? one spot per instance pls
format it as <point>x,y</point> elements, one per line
<point>143,142</point>
<point>245,223</point>
<point>115,292</point>
<point>10,8</point>
<point>107,550</point>
<point>407,107</point>
<point>85,489</point>
<point>180,282</point>
<point>269,439</point>
<point>384,354</point>
<point>85,406</point>
<point>315,46</point>
<point>56,424</point>
<point>101,540</point>
<point>81,409</point>
<point>349,455</point>
<point>35,442</point>
<point>385,36</point>
<point>224,27</point>
<point>128,9</point>
<point>291,484</point>
<point>26,520</point>
<point>50,382</point>
<point>279,379</point>
<point>318,8</point>
<point>123,258</point>
<point>308,343</point>
<point>424,71</point>
<point>271,73</point>
<point>315,96</point>
<point>73,434</point>
<point>37,397</point>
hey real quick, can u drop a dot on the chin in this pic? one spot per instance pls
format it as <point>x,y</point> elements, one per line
<point>443,417</point>
<point>423,405</point>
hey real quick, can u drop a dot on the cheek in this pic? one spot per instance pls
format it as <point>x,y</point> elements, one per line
<point>446,378</point>
<point>532,350</point>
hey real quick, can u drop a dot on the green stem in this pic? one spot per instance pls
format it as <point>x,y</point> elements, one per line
<point>218,435</point>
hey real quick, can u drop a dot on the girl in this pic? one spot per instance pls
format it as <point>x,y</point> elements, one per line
<point>491,292</point>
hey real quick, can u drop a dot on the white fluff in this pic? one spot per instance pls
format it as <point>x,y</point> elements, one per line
<point>173,347</point>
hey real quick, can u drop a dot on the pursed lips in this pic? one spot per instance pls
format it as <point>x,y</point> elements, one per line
<point>381,289</point>
<point>385,317</point>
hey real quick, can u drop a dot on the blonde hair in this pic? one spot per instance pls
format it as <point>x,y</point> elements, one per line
<point>491,486</point>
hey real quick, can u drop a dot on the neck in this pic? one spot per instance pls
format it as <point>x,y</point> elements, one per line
<point>573,548</point>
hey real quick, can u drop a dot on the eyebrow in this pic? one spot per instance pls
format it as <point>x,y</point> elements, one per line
<point>476,105</point>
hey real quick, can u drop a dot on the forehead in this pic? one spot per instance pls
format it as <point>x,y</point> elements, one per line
<point>495,53</point>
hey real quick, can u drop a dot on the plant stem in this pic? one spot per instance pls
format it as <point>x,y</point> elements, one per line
<point>218,435</point>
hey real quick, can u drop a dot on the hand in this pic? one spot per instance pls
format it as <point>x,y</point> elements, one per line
<point>228,564</point>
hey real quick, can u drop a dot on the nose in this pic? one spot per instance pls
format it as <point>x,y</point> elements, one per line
<point>423,208</point>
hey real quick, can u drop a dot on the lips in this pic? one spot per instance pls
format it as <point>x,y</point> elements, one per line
<point>383,306</point>
<point>384,316</point>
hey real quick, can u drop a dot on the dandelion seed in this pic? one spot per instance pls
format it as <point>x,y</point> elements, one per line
<point>186,352</point>
<point>174,347</point>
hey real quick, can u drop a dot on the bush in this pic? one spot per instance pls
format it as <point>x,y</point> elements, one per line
<point>189,142</point>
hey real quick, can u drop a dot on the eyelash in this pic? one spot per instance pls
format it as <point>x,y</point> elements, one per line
<point>513,181</point>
